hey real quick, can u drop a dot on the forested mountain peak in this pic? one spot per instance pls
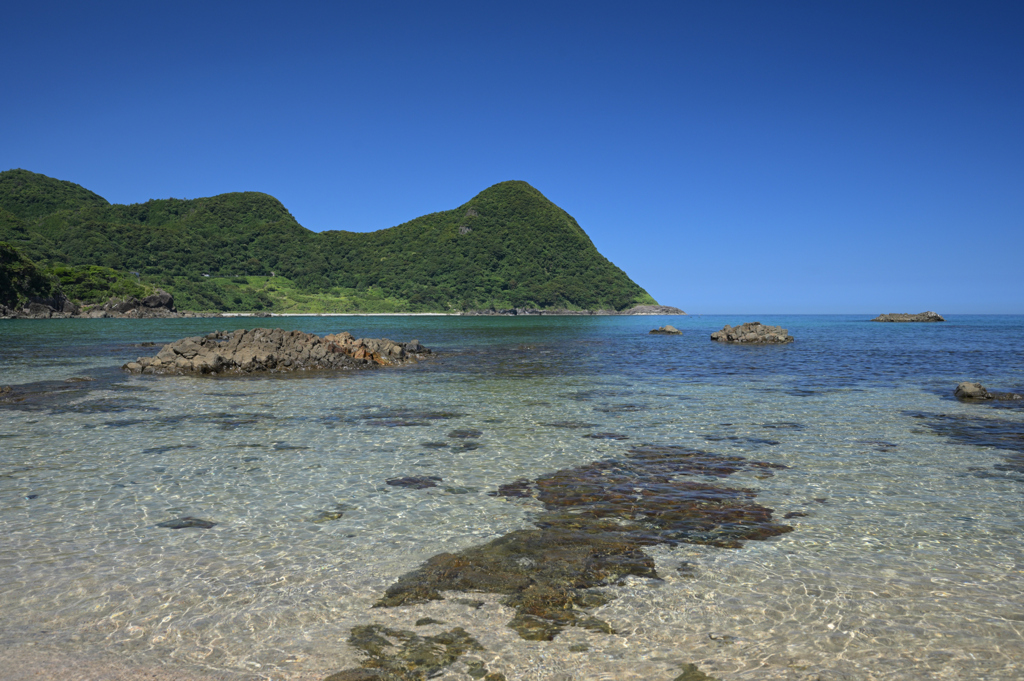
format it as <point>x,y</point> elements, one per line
<point>508,246</point>
<point>30,195</point>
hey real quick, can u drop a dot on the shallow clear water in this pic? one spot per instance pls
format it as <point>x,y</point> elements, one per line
<point>905,563</point>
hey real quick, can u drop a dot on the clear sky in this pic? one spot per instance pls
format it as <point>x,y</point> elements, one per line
<point>731,157</point>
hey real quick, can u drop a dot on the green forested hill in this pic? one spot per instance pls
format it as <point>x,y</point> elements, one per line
<point>507,247</point>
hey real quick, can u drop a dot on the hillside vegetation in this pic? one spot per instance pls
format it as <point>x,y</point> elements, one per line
<point>509,246</point>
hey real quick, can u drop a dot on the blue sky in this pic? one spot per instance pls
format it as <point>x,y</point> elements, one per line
<point>731,157</point>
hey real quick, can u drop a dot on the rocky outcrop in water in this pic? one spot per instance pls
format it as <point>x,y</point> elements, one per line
<point>970,392</point>
<point>668,329</point>
<point>904,317</point>
<point>274,350</point>
<point>754,333</point>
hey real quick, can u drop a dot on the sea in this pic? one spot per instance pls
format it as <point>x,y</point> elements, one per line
<point>902,507</point>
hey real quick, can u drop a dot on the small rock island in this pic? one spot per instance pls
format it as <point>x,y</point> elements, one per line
<point>904,317</point>
<point>970,392</point>
<point>754,333</point>
<point>274,350</point>
<point>668,329</point>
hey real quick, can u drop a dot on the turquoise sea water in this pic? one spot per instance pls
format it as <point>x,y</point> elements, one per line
<point>905,561</point>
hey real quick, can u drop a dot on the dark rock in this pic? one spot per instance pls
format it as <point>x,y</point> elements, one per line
<point>187,521</point>
<point>597,520</point>
<point>160,299</point>
<point>754,333</point>
<point>668,329</point>
<point>415,481</point>
<point>691,673</point>
<point>273,350</point>
<point>424,621</point>
<point>904,317</point>
<point>465,433</point>
<point>399,655</point>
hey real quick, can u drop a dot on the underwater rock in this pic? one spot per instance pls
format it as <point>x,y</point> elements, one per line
<point>905,317</point>
<point>467,433</point>
<point>328,516</point>
<point>692,673</point>
<point>668,329</point>
<point>187,521</point>
<point>606,436</point>
<point>518,488</point>
<point>752,333</point>
<point>415,481</point>
<point>273,350</point>
<point>399,655</point>
<point>597,520</point>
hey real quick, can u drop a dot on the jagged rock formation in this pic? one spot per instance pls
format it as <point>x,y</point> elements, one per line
<point>160,304</point>
<point>275,350</point>
<point>904,317</point>
<point>753,333</point>
<point>668,329</point>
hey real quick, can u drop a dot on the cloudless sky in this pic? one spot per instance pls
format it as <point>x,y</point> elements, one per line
<point>731,157</point>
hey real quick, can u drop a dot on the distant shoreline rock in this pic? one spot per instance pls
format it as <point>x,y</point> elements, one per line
<point>905,317</point>
<point>160,305</point>
<point>753,333</point>
<point>275,350</point>
<point>527,311</point>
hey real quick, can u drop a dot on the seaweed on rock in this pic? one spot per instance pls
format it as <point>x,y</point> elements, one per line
<point>399,655</point>
<point>596,521</point>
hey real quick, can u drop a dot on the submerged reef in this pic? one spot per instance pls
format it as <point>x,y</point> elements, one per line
<point>596,521</point>
<point>993,433</point>
<point>753,333</point>
<point>274,350</point>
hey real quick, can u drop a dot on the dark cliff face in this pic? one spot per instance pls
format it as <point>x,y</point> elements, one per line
<point>23,283</point>
<point>507,247</point>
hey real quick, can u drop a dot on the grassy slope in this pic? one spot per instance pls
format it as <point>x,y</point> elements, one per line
<point>508,246</point>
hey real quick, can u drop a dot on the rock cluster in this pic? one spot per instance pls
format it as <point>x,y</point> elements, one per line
<point>158,305</point>
<point>976,391</point>
<point>274,350</point>
<point>667,329</point>
<point>904,317</point>
<point>752,332</point>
